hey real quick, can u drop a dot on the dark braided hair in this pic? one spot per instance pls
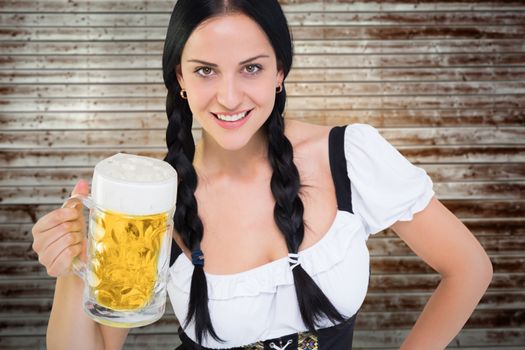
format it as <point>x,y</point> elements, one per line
<point>285,182</point>
<point>288,214</point>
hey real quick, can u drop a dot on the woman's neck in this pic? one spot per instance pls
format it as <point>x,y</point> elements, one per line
<point>214,162</point>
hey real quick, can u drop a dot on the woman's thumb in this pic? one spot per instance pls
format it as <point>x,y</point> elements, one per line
<point>81,187</point>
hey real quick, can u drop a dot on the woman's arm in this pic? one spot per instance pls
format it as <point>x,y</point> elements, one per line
<point>443,242</point>
<point>59,237</point>
<point>70,328</point>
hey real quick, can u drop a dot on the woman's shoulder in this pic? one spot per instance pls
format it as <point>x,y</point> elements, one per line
<point>312,137</point>
<point>306,136</point>
<point>310,146</point>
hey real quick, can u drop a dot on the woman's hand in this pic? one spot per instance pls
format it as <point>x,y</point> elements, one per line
<point>59,236</point>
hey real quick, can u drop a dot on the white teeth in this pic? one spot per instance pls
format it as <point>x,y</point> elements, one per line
<point>232,118</point>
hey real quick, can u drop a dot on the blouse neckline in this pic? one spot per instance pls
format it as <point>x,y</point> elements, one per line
<point>272,263</point>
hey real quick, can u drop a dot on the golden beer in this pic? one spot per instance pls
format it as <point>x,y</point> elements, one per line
<point>124,254</point>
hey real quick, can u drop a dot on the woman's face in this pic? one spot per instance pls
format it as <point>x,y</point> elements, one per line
<point>229,71</point>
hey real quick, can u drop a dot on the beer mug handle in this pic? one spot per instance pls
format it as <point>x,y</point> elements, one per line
<point>77,266</point>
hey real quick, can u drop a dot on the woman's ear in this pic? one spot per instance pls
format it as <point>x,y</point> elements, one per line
<point>178,73</point>
<point>280,74</point>
<point>280,78</point>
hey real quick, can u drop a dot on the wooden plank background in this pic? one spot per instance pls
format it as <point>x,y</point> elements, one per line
<point>444,81</point>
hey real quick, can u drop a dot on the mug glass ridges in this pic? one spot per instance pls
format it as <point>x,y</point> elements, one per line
<point>124,253</point>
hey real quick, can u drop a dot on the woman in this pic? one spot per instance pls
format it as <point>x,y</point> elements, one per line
<point>272,215</point>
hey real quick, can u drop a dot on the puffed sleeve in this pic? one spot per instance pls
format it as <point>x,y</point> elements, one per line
<point>385,186</point>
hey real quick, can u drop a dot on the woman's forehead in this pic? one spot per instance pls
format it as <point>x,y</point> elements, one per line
<point>231,34</point>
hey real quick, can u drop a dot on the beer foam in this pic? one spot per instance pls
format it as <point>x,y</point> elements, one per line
<point>135,185</point>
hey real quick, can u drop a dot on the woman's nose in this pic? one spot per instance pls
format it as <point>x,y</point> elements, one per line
<point>230,93</point>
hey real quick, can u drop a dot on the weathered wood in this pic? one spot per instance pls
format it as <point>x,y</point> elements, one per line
<point>443,32</point>
<point>406,33</point>
<point>374,302</point>
<point>44,177</point>
<point>20,261</point>
<point>349,89</point>
<point>377,339</point>
<point>154,104</point>
<point>464,209</point>
<point>167,341</point>
<point>500,245</point>
<point>96,139</point>
<point>28,268</point>
<point>83,120</point>
<point>384,246</point>
<point>378,302</point>
<point>157,120</point>
<point>23,343</point>
<point>156,138</point>
<point>349,75</point>
<point>439,173</point>
<point>68,157</point>
<point>401,32</point>
<point>301,47</point>
<point>156,341</point>
<point>29,307</point>
<point>386,283</point>
<point>18,251</point>
<point>451,60</point>
<point>498,227</point>
<point>415,154</point>
<point>453,191</point>
<point>367,321</point>
<point>489,227</point>
<point>479,338</point>
<point>146,6</point>
<point>317,26</point>
<point>500,18</point>
<point>16,232</point>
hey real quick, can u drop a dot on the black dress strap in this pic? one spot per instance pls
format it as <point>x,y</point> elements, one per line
<point>336,152</point>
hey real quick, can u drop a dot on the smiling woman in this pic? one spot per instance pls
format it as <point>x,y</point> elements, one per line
<point>240,80</point>
<point>273,216</point>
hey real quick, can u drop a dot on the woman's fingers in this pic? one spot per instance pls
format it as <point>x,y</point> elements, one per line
<point>58,238</point>
<point>43,238</point>
<point>59,255</point>
<point>64,259</point>
<point>53,219</point>
<point>61,242</point>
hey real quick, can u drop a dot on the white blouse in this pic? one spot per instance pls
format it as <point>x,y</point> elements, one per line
<point>261,303</point>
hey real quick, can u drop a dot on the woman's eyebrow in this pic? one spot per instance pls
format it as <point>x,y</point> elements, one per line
<point>253,58</point>
<point>240,63</point>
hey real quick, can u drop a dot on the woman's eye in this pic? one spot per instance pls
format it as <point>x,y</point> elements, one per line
<point>204,71</point>
<point>252,68</point>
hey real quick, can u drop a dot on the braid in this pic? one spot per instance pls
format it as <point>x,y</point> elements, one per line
<point>181,150</point>
<point>288,214</point>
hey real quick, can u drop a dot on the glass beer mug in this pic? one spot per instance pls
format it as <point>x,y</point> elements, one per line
<point>131,208</point>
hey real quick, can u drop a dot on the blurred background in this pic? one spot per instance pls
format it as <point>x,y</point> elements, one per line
<point>444,81</point>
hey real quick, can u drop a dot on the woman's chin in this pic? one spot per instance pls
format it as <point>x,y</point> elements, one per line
<point>233,145</point>
<point>238,140</point>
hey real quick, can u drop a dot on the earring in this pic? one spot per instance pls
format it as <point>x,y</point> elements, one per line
<point>183,94</point>
<point>279,89</point>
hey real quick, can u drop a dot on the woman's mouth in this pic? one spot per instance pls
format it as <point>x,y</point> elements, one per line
<point>232,117</point>
<point>232,121</point>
